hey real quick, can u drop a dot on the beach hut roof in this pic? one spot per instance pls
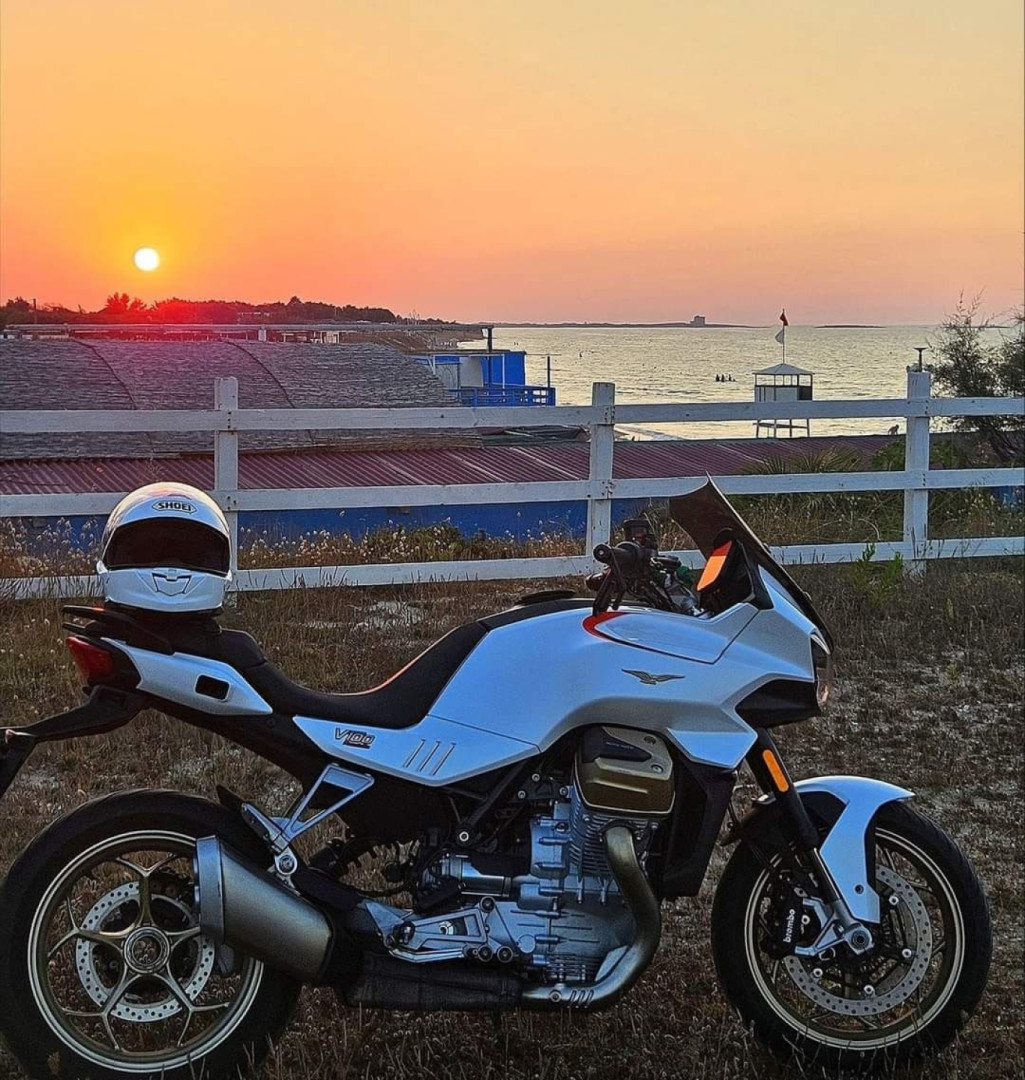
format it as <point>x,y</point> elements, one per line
<point>783,369</point>
<point>59,373</point>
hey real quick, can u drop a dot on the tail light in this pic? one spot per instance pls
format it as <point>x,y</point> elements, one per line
<point>94,662</point>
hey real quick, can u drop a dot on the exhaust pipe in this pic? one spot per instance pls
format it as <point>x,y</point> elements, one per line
<point>247,909</point>
<point>385,982</point>
<point>609,986</point>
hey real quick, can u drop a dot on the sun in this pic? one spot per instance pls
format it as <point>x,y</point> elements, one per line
<point>146,258</point>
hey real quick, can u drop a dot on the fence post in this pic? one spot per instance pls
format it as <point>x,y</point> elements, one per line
<point>226,458</point>
<point>599,470</point>
<point>916,465</point>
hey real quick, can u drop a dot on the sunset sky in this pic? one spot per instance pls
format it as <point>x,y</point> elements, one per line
<point>859,161</point>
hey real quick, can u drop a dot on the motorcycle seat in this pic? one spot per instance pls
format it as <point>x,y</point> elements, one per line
<point>401,702</point>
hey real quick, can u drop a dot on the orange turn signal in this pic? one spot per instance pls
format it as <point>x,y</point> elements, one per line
<point>714,566</point>
<point>779,777</point>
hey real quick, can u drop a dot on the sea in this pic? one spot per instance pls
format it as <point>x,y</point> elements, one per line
<point>680,365</point>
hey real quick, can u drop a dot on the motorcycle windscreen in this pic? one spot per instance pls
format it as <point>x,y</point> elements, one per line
<point>705,513</point>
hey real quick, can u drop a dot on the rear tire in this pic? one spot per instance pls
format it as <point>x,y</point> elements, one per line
<point>104,974</point>
<point>829,1011</point>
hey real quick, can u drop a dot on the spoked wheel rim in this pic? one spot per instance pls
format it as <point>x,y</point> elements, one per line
<point>899,988</point>
<point>118,966</point>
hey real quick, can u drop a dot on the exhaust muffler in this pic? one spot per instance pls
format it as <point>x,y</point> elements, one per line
<point>247,909</point>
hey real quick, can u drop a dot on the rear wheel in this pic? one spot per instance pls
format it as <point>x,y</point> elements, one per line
<point>104,971</point>
<point>907,996</point>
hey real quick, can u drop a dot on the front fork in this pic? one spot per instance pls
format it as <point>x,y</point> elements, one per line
<point>834,912</point>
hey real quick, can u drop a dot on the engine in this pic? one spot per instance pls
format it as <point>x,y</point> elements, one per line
<point>560,915</point>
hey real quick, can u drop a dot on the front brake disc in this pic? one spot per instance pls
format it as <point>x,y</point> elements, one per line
<point>897,986</point>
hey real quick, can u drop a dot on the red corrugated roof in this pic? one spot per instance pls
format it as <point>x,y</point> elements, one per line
<point>385,468</point>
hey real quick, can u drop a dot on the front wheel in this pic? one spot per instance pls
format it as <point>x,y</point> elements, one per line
<point>104,971</point>
<point>906,997</point>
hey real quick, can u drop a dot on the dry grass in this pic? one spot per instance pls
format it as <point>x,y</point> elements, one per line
<point>930,696</point>
<point>442,542</point>
<point>56,549</point>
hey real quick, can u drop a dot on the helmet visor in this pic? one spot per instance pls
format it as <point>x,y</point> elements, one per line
<point>169,542</point>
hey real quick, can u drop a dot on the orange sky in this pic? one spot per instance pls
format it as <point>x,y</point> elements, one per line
<point>641,160</point>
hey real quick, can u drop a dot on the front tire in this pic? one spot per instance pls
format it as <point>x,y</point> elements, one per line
<point>906,998</point>
<point>104,973</point>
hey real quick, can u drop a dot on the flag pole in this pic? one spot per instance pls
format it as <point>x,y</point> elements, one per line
<point>781,337</point>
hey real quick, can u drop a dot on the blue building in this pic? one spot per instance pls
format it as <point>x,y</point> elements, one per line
<point>479,377</point>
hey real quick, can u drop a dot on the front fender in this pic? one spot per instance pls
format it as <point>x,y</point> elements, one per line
<point>849,813</point>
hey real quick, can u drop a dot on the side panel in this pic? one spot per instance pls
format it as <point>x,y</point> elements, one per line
<point>537,679</point>
<point>175,677</point>
<point>434,752</point>
<point>530,682</point>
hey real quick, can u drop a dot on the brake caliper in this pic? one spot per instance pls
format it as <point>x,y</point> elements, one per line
<point>789,922</point>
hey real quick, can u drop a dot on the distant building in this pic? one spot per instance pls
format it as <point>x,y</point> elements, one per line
<point>489,377</point>
<point>698,320</point>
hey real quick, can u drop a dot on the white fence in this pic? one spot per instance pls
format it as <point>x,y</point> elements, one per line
<point>227,421</point>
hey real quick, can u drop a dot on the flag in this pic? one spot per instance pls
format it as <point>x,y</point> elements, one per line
<point>781,336</point>
<point>783,317</point>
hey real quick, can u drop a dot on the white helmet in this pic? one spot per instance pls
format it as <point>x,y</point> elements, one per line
<point>166,548</point>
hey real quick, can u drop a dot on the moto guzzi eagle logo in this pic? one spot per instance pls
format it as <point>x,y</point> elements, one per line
<point>651,680</point>
<point>361,740</point>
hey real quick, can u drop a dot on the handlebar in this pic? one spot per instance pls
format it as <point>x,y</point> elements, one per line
<point>628,558</point>
<point>639,571</point>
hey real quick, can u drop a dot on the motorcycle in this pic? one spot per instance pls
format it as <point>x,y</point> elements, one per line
<point>542,781</point>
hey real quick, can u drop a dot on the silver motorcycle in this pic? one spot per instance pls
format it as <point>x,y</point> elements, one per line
<point>541,781</point>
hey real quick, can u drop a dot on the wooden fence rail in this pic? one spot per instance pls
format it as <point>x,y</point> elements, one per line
<point>227,421</point>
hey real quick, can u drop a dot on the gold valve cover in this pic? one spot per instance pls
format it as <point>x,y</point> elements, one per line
<point>612,775</point>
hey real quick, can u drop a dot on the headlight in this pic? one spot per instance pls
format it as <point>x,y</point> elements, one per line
<point>822,662</point>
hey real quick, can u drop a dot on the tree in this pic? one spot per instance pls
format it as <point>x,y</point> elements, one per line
<point>121,305</point>
<point>970,365</point>
<point>17,310</point>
